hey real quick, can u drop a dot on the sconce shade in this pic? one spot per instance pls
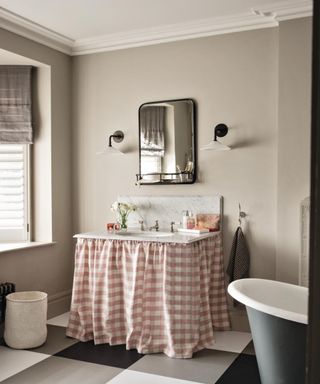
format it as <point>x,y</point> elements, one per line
<point>110,151</point>
<point>215,146</point>
<point>220,130</point>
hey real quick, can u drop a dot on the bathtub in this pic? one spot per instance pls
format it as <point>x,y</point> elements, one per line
<point>278,317</point>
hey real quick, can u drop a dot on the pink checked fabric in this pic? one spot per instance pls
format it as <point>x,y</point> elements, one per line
<point>155,297</point>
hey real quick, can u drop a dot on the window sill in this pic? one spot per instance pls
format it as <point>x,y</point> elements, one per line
<point>11,247</point>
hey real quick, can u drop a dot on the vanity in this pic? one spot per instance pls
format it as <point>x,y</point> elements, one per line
<point>153,291</point>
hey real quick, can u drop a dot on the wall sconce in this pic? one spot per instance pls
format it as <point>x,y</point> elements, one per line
<point>117,137</point>
<point>220,130</point>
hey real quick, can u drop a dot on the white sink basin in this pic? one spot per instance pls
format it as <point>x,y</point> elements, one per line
<point>144,234</point>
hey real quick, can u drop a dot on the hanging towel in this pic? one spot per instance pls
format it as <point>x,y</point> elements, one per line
<point>239,261</point>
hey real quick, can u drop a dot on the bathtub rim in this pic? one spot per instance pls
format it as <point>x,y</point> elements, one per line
<point>234,289</point>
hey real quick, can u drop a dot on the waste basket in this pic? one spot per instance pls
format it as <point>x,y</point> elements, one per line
<point>26,319</point>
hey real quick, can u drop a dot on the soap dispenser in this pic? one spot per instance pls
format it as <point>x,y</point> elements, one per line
<point>185,218</point>
<point>191,223</point>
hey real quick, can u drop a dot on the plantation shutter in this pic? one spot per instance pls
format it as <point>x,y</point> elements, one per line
<point>15,104</point>
<point>13,192</point>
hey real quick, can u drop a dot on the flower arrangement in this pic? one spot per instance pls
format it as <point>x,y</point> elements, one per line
<point>123,210</point>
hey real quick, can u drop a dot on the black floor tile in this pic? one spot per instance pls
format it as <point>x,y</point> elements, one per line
<point>243,370</point>
<point>115,356</point>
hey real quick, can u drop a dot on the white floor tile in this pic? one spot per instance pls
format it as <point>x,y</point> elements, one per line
<point>206,366</point>
<point>231,341</point>
<point>133,377</point>
<point>13,361</point>
<point>60,321</point>
<point>57,370</point>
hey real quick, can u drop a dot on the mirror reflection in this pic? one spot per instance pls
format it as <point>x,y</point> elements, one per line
<point>166,142</point>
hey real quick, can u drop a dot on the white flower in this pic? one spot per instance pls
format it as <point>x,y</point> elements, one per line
<point>123,208</point>
<point>114,207</point>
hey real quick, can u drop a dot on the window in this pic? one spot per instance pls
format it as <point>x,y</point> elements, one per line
<point>14,186</point>
<point>150,164</point>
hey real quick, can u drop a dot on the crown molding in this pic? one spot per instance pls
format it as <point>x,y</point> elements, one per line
<point>285,10</point>
<point>174,32</point>
<point>33,31</point>
<point>257,18</point>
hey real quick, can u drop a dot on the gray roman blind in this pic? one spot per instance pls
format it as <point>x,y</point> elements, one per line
<point>15,104</point>
<point>152,124</point>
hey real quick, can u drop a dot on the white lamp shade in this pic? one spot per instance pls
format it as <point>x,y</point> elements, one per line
<point>110,151</point>
<point>215,145</point>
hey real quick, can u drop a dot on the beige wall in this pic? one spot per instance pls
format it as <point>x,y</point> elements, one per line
<point>293,141</point>
<point>233,78</point>
<point>257,82</point>
<point>48,268</point>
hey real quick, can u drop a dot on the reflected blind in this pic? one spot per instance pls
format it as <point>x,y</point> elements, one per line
<point>13,192</point>
<point>152,124</point>
<point>15,104</point>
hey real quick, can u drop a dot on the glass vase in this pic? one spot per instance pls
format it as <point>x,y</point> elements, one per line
<point>123,222</point>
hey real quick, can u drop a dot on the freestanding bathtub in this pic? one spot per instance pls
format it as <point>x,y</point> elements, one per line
<point>278,317</point>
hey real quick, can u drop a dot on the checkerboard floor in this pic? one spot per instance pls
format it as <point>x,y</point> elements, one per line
<point>64,360</point>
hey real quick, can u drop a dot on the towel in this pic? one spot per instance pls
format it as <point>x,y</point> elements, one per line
<point>239,261</point>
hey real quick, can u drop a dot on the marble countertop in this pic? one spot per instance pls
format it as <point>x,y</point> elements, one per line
<point>137,235</point>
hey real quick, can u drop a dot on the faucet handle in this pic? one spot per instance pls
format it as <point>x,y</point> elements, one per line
<point>155,226</point>
<point>171,226</point>
<point>141,225</point>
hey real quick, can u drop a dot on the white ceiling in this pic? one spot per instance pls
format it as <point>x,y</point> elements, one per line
<point>78,19</point>
<point>77,22</point>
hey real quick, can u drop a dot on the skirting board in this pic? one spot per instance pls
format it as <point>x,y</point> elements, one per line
<point>59,303</point>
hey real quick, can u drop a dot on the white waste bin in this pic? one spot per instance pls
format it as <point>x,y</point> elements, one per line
<point>26,319</point>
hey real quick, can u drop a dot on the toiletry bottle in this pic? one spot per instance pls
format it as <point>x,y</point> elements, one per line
<point>191,223</point>
<point>185,218</point>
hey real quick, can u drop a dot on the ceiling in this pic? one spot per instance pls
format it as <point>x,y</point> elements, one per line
<point>86,26</point>
<point>87,18</point>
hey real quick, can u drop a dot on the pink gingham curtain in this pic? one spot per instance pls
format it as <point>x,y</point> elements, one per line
<point>155,297</point>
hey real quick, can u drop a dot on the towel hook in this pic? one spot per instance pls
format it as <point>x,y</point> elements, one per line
<point>242,215</point>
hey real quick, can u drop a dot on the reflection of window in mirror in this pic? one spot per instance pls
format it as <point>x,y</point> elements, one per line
<point>152,122</point>
<point>150,164</point>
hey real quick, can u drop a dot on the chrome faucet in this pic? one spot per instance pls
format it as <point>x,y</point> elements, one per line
<point>172,226</point>
<point>156,226</point>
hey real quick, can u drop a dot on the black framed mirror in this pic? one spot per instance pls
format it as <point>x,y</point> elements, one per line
<point>167,151</point>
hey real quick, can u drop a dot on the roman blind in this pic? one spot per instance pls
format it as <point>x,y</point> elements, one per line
<point>13,192</point>
<point>15,104</point>
<point>152,123</point>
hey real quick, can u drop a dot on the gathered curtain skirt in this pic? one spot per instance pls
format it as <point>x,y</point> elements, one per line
<point>155,297</point>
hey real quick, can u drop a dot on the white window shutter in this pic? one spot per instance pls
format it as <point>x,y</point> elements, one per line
<point>13,192</point>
